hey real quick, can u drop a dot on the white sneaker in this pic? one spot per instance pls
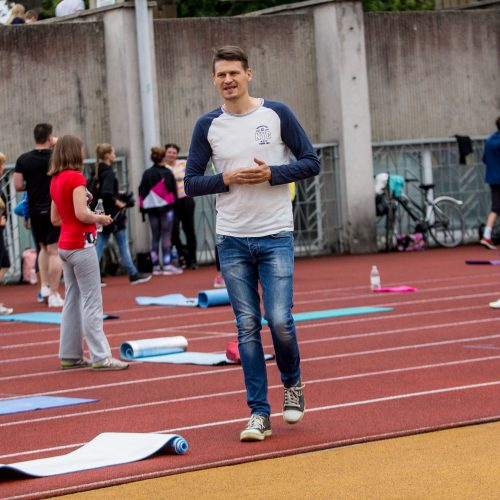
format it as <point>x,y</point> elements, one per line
<point>495,305</point>
<point>55,300</point>
<point>5,310</point>
<point>170,269</point>
<point>43,295</point>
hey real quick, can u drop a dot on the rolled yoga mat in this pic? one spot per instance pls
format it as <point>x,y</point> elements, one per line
<point>211,298</point>
<point>135,349</point>
<point>483,262</point>
<point>108,448</point>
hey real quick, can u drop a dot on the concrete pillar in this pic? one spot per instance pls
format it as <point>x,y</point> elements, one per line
<point>345,114</point>
<point>124,101</point>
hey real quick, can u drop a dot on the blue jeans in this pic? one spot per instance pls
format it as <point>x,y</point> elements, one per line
<point>121,238</point>
<point>244,262</point>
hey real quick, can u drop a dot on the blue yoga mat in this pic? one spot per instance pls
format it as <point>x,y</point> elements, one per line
<point>336,313</point>
<point>206,298</point>
<point>172,350</point>
<point>18,405</point>
<point>210,298</point>
<point>50,318</point>
<point>106,449</point>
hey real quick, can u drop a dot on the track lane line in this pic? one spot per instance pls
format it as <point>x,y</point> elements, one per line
<point>231,393</point>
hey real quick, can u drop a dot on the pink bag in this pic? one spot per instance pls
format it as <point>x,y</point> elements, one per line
<point>29,261</point>
<point>232,352</point>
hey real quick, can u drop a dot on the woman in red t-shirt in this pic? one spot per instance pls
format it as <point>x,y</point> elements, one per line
<point>82,311</point>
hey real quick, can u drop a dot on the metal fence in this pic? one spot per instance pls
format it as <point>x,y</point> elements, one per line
<point>17,236</point>
<point>437,161</point>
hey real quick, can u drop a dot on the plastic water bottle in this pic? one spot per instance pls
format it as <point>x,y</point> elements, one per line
<point>174,256</point>
<point>374,278</point>
<point>99,210</point>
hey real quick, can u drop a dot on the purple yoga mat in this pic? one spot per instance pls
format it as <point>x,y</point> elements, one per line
<point>483,262</point>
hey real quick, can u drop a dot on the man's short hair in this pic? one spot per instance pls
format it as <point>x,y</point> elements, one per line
<point>42,132</point>
<point>230,53</point>
<point>498,123</point>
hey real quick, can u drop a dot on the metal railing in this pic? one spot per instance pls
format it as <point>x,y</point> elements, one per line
<point>17,236</point>
<point>437,161</point>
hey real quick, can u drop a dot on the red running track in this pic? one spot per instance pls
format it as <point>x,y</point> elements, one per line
<point>434,362</point>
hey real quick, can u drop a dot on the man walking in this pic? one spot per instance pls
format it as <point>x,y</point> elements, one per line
<point>491,158</point>
<point>249,141</point>
<point>31,175</point>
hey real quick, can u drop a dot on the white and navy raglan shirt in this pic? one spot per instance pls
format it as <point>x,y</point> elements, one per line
<point>270,133</point>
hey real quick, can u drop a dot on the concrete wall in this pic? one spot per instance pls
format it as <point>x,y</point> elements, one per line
<point>56,74</point>
<point>281,52</point>
<point>433,74</point>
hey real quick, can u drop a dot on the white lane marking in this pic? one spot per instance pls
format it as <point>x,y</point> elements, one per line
<point>239,391</point>
<point>337,406</point>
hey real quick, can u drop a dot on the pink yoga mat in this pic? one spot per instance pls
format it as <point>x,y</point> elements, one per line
<point>402,288</point>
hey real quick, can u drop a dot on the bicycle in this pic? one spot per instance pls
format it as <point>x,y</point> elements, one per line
<point>441,218</point>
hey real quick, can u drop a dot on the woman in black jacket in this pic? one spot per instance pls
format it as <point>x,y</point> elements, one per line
<point>115,207</point>
<point>157,198</point>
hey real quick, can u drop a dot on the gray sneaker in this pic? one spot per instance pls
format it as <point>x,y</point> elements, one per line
<point>257,429</point>
<point>72,364</point>
<point>294,405</point>
<point>109,364</point>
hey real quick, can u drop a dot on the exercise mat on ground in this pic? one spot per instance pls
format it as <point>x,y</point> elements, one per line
<point>139,349</point>
<point>108,448</point>
<point>335,313</point>
<point>49,318</point>
<point>30,403</point>
<point>171,350</point>
<point>206,298</point>
<point>396,289</point>
<point>483,262</point>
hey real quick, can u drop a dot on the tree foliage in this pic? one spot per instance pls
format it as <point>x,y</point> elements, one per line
<point>214,8</point>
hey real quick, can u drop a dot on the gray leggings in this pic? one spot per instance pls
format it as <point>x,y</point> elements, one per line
<point>82,312</point>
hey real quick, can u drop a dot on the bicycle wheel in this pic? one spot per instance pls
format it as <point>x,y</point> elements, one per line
<point>390,226</point>
<point>446,224</point>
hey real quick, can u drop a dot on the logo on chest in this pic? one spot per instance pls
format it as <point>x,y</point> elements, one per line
<point>262,135</point>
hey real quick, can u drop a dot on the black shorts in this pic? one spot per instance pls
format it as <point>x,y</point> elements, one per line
<point>4,254</point>
<point>495,198</point>
<point>43,230</point>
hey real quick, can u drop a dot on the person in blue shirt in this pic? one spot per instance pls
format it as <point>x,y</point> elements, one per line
<point>251,141</point>
<point>491,158</point>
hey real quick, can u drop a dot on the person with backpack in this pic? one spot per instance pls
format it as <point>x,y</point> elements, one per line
<point>157,198</point>
<point>116,208</point>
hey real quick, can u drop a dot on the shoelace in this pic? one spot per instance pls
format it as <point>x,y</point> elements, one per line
<point>292,396</point>
<point>256,421</point>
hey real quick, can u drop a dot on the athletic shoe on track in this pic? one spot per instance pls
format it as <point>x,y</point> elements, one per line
<point>294,404</point>
<point>43,294</point>
<point>169,270</point>
<point>72,364</point>
<point>495,305</point>
<point>219,282</point>
<point>139,278</point>
<point>4,311</point>
<point>486,242</point>
<point>55,300</point>
<point>109,364</point>
<point>257,429</point>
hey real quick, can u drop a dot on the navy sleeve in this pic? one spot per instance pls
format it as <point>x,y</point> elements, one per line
<point>200,152</point>
<point>306,162</point>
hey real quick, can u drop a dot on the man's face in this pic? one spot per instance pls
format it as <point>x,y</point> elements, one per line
<point>231,79</point>
<point>171,155</point>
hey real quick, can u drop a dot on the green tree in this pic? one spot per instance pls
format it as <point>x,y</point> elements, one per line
<point>214,8</point>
